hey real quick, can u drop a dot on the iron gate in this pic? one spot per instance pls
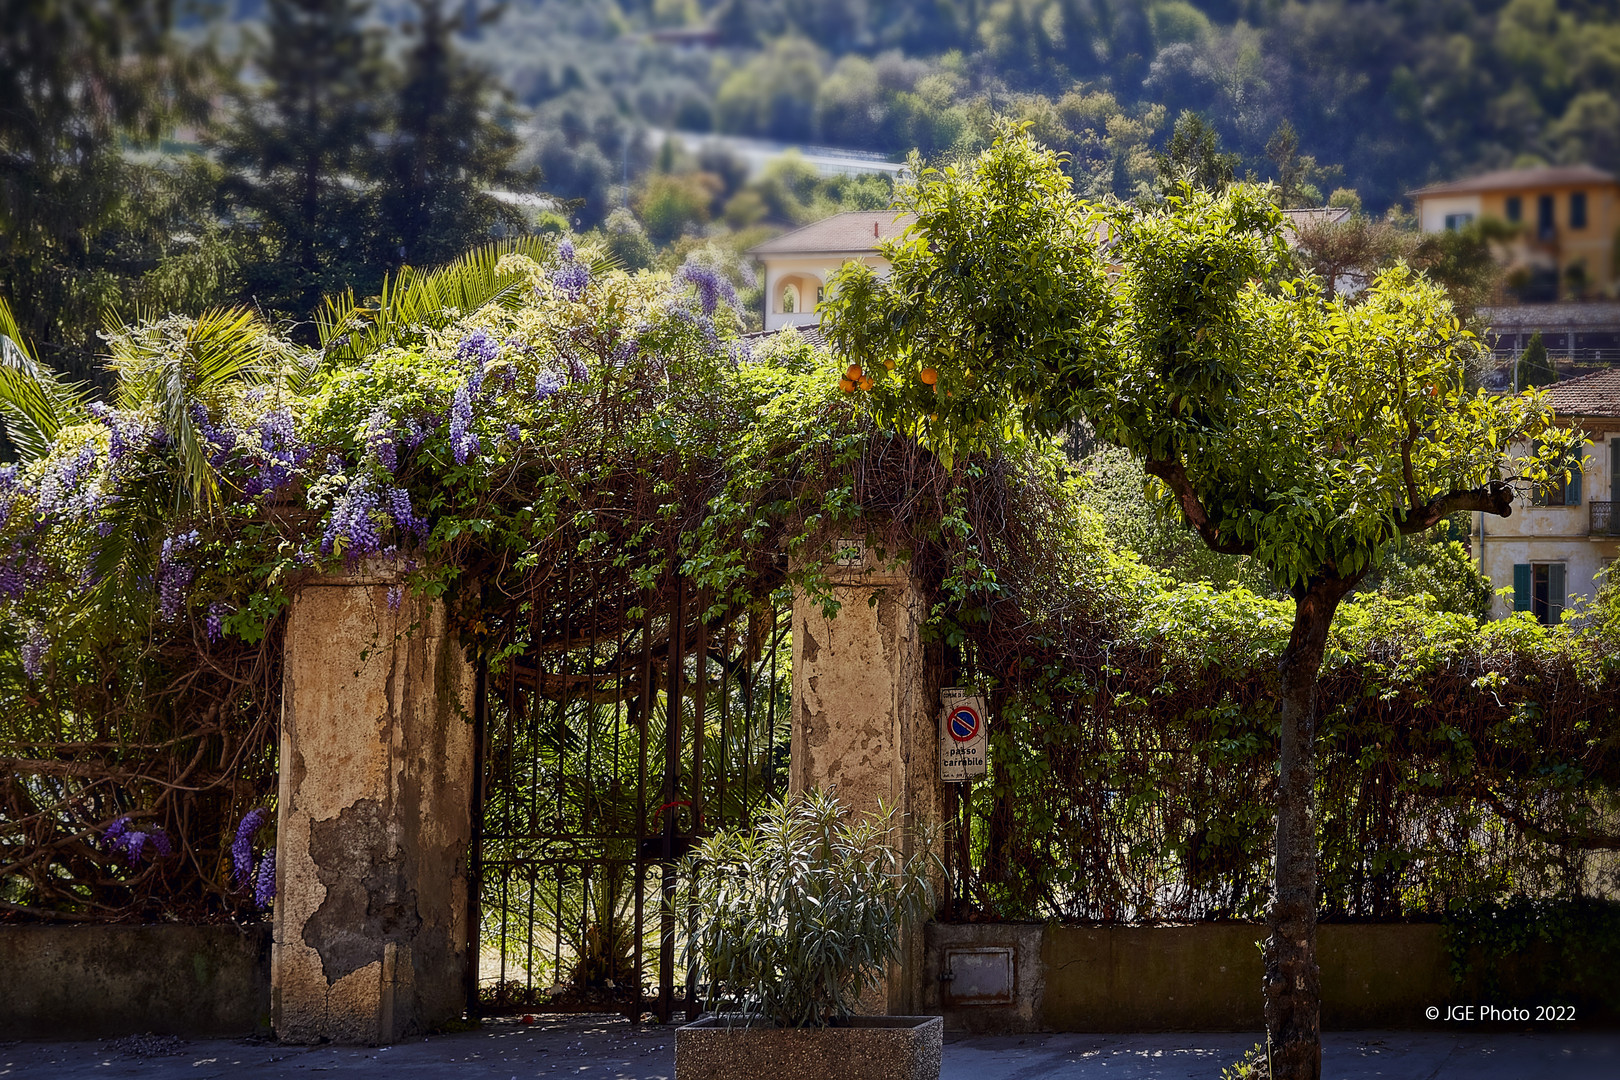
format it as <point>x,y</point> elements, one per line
<point>622,725</point>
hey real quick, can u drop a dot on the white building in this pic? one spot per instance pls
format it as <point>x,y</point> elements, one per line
<point>1550,550</point>
<point>798,264</point>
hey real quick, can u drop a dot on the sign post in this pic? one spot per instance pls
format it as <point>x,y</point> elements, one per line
<point>963,739</point>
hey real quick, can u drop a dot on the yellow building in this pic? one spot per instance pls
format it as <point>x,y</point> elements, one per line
<point>1567,215</point>
<point>798,264</point>
<point>1550,550</point>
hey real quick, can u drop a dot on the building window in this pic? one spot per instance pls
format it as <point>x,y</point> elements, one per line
<point>1458,221</point>
<point>821,293</point>
<point>1561,492</point>
<point>1539,589</point>
<point>790,299</point>
<point>1515,208</point>
<point>1544,216</point>
<point>1577,210</point>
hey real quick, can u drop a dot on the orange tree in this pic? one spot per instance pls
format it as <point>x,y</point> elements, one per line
<point>1304,430</point>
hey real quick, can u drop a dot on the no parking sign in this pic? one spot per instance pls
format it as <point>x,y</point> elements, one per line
<point>963,740</point>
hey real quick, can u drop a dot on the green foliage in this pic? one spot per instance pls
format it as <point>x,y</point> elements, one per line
<point>795,917</point>
<point>82,219</point>
<point>998,350</point>
<point>1532,952</point>
<point>1305,430</point>
<point>1436,566</point>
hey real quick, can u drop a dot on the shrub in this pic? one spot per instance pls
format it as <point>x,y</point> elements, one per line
<point>795,917</point>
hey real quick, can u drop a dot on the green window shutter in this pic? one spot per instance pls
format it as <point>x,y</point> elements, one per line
<point>1555,592</point>
<point>1573,498</point>
<point>1614,471</point>
<point>1521,586</point>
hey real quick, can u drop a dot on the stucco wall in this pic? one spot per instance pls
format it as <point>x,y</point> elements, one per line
<point>85,982</point>
<point>1205,977</point>
<point>864,717</point>
<point>375,815</point>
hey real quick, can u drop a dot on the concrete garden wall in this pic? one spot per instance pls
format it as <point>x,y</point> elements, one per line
<point>1205,977</point>
<point>80,982</point>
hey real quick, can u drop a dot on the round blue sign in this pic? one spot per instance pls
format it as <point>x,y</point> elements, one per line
<point>964,724</point>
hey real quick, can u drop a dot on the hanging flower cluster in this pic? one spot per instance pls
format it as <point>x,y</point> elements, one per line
<point>121,836</point>
<point>243,870</point>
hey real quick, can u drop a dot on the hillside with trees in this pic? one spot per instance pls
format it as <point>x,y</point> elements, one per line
<point>1392,94</point>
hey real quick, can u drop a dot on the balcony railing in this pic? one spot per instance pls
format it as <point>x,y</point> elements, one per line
<point>1605,521</point>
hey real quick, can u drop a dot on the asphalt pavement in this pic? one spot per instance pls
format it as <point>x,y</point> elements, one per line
<point>608,1048</point>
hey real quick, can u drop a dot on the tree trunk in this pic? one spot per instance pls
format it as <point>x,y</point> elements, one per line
<point>1293,983</point>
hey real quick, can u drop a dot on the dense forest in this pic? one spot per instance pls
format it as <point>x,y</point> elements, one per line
<point>1391,93</point>
<point>170,157</point>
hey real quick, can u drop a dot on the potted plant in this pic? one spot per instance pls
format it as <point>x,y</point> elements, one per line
<point>793,921</point>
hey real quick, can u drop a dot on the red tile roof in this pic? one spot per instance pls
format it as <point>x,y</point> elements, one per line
<point>848,232</point>
<point>1512,179</point>
<point>1597,394</point>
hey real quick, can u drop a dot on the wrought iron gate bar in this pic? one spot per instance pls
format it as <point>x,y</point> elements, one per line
<point>608,746</point>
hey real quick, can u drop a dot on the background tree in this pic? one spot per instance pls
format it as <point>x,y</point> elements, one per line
<point>1534,367</point>
<point>1305,431</point>
<point>1298,175</point>
<point>447,146</point>
<point>1194,155</point>
<point>81,223</point>
<point>297,147</point>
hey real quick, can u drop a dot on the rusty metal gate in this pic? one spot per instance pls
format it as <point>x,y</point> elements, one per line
<point>621,725</point>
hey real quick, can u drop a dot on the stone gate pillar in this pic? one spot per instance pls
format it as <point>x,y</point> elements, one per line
<point>370,941</point>
<point>865,707</point>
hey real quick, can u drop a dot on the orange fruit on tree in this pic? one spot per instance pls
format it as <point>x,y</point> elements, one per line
<point>846,386</point>
<point>854,372</point>
<point>865,382</point>
<point>929,376</point>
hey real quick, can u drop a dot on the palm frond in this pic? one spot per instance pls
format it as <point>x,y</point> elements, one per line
<point>171,373</point>
<point>414,301</point>
<point>34,404</point>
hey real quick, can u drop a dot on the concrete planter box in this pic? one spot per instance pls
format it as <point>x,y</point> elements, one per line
<point>860,1048</point>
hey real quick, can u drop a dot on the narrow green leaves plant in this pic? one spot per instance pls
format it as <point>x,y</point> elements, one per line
<point>794,918</point>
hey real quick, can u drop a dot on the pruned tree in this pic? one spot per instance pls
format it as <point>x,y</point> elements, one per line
<point>1303,430</point>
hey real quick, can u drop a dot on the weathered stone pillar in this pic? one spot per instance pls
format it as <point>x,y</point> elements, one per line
<point>375,815</point>
<point>865,707</point>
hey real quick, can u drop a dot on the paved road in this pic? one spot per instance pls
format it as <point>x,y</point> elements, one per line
<point>594,1048</point>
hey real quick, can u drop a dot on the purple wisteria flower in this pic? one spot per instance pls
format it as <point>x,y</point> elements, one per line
<point>127,436</point>
<point>32,653</point>
<point>514,433</point>
<point>174,574</point>
<point>478,348</point>
<point>354,522</point>
<point>216,621</point>
<point>397,501</point>
<point>242,845</point>
<point>463,439</point>
<point>19,573</point>
<point>132,842</point>
<point>546,384</point>
<point>396,596</point>
<point>280,453</point>
<point>264,882</point>
<point>222,439</point>
<point>68,488</point>
<point>712,286</point>
<point>571,277</point>
<point>8,491</point>
<point>381,439</point>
